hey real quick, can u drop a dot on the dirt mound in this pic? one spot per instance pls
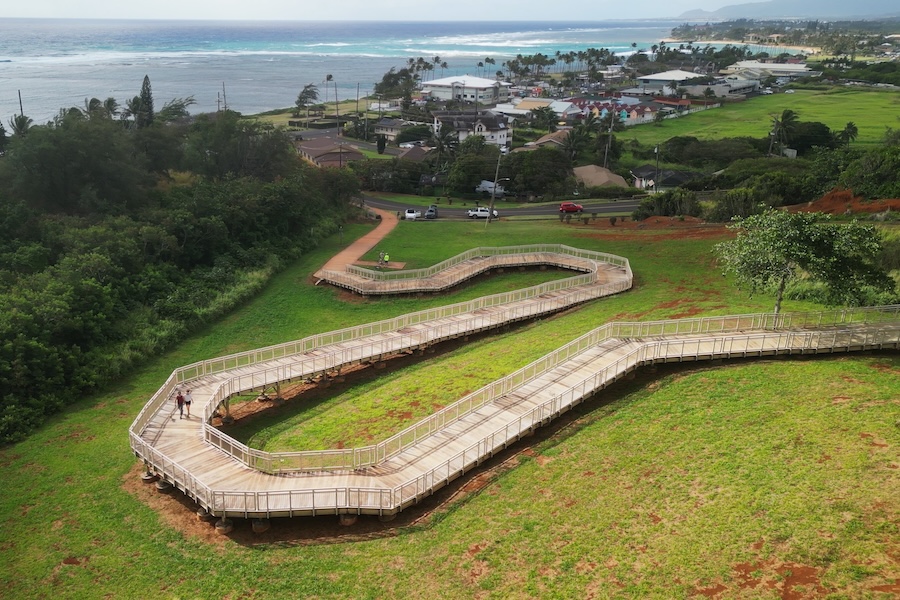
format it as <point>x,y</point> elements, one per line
<point>843,202</point>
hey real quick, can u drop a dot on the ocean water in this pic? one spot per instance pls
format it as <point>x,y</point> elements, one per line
<point>263,65</point>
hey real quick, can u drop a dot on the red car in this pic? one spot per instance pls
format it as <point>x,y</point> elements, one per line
<point>570,207</point>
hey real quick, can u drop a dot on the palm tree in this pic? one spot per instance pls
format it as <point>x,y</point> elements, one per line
<point>93,108</point>
<point>20,124</point>
<point>328,79</point>
<point>783,128</point>
<point>849,133</point>
<point>544,117</point>
<point>111,107</point>
<point>446,141</point>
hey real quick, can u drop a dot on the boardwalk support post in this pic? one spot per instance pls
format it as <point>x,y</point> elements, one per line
<point>204,515</point>
<point>260,525</point>
<point>346,519</point>
<point>163,486</point>
<point>224,525</point>
<point>227,419</point>
<point>148,476</point>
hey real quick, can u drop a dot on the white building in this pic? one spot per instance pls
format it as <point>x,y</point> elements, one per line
<point>754,69</point>
<point>661,83</point>
<point>523,106</point>
<point>466,88</point>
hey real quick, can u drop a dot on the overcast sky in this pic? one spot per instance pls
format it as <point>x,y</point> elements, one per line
<point>361,10</point>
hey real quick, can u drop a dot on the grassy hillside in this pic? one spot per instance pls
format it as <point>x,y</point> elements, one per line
<point>872,111</point>
<point>741,480</point>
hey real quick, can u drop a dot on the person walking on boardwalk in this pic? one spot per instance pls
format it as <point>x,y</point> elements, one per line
<point>179,400</point>
<point>387,258</point>
<point>187,403</point>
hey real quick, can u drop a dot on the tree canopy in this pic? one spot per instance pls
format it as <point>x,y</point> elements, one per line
<point>774,248</point>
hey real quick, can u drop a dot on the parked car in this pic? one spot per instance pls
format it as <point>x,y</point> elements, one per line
<point>788,91</point>
<point>412,214</point>
<point>481,212</point>
<point>570,207</point>
<point>431,213</point>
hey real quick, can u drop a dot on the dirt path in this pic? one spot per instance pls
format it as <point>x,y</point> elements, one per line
<point>352,253</point>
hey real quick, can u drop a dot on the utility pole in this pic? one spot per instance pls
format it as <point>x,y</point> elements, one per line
<point>337,116</point>
<point>656,181</point>
<point>21,110</point>
<point>494,190</point>
<point>224,99</point>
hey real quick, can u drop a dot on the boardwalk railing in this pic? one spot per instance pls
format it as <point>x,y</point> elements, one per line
<point>464,266</point>
<point>656,341</point>
<point>866,329</point>
<point>366,456</point>
<point>201,369</point>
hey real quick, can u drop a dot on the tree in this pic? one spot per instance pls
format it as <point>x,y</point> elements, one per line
<point>380,143</point>
<point>308,96</point>
<point>20,124</point>
<point>445,140</point>
<point>4,140</point>
<point>544,117</point>
<point>774,248</point>
<point>783,128</point>
<point>849,133</point>
<point>145,115</point>
<point>175,110</point>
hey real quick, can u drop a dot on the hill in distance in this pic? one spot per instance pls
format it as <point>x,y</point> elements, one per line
<point>802,9</point>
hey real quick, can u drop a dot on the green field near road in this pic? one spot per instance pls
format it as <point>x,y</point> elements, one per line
<point>872,112</point>
<point>748,478</point>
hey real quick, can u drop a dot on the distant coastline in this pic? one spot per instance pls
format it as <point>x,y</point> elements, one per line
<point>786,48</point>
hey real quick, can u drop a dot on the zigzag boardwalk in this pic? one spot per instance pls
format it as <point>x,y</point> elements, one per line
<point>227,478</point>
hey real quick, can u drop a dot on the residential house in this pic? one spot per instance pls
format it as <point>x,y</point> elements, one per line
<point>492,127</point>
<point>324,152</point>
<point>650,177</point>
<point>389,128</point>
<point>596,176</point>
<point>522,107</point>
<point>414,153</point>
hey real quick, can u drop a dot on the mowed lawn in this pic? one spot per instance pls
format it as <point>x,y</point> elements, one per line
<point>743,479</point>
<point>872,111</point>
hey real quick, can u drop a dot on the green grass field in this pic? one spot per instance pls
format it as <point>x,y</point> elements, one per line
<point>872,111</point>
<point>744,479</point>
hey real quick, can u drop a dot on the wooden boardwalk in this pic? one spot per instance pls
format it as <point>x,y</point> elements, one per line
<point>229,479</point>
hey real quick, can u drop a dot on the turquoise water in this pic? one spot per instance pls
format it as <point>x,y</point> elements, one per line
<point>263,65</point>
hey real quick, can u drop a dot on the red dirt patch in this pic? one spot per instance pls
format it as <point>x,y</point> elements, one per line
<point>841,202</point>
<point>710,592</point>
<point>784,578</point>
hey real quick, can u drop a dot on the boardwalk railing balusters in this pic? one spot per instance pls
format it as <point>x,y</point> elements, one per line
<point>211,467</point>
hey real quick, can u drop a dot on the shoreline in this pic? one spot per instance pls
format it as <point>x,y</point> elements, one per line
<point>804,49</point>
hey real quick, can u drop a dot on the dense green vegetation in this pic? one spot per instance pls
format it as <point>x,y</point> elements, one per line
<point>119,236</point>
<point>771,463</point>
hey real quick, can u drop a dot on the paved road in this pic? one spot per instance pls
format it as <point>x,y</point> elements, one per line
<point>537,210</point>
<point>604,208</point>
